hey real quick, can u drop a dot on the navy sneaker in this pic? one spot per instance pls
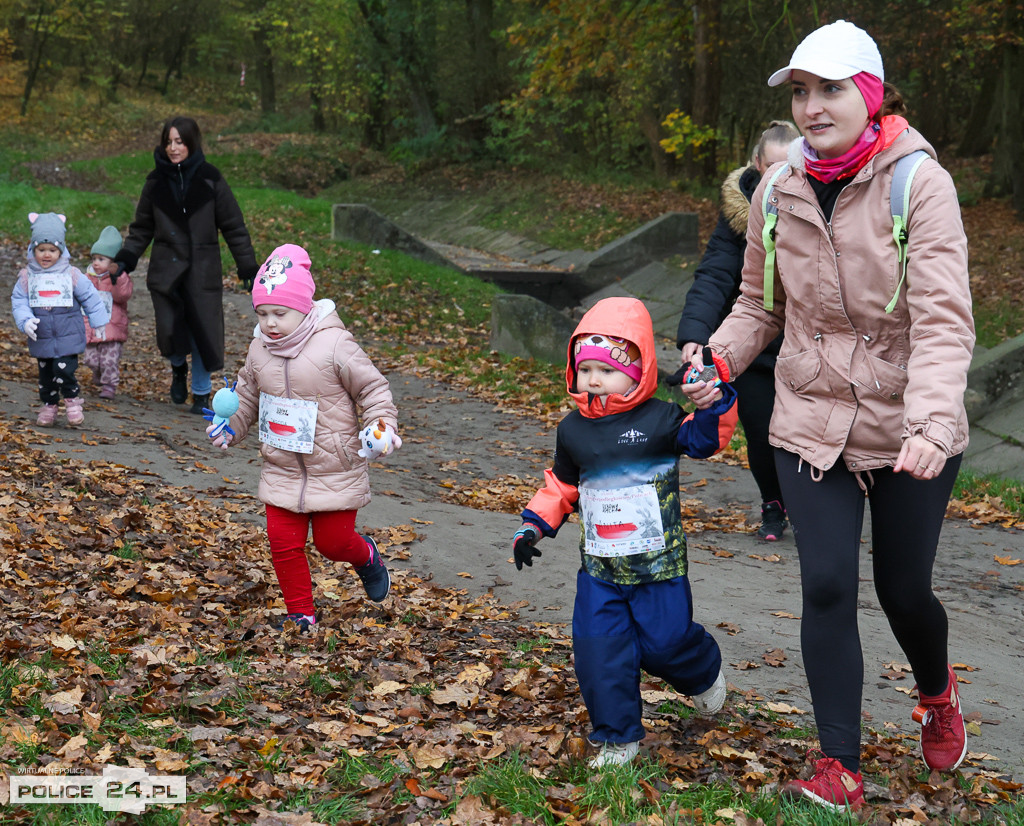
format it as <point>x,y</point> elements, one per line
<point>773,521</point>
<point>374,574</point>
<point>302,621</point>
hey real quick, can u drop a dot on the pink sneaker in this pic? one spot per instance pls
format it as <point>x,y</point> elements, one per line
<point>943,733</point>
<point>73,407</point>
<point>107,392</point>
<point>47,415</point>
<point>832,785</point>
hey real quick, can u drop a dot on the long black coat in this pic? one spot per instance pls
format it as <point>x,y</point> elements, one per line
<point>717,279</point>
<point>185,271</point>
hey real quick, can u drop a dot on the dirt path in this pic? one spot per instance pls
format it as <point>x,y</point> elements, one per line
<point>749,590</point>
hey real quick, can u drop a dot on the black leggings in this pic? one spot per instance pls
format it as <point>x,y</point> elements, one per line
<point>827,517</point>
<point>57,379</point>
<point>755,399</point>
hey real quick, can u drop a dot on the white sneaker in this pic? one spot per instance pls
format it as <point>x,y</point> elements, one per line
<point>615,754</point>
<point>710,702</point>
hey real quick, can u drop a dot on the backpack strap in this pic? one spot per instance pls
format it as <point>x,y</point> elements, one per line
<point>771,218</point>
<point>899,205</point>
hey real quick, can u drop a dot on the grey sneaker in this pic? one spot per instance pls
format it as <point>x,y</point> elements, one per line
<point>615,754</point>
<point>710,702</point>
<point>374,574</point>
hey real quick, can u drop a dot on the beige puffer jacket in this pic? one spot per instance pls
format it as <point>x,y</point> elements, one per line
<point>332,370</point>
<point>852,381</point>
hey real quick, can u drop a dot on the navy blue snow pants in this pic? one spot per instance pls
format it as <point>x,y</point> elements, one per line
<point>617,630</point>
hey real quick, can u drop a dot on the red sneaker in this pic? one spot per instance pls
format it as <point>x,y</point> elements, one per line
<point>943,733</point>
<point>832,786</point>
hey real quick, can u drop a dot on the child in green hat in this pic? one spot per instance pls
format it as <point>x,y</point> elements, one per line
<point>103,350</point>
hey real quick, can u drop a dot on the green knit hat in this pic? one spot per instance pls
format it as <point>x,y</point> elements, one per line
<point>109,243</point>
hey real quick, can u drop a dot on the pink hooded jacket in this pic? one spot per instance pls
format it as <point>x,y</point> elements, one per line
<point>332,370</point>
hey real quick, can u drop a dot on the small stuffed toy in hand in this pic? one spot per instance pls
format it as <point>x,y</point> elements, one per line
<point>378,439</point>
<point>225,405</point>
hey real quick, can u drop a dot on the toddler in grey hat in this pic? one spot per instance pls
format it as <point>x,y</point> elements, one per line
<point>49,299</point>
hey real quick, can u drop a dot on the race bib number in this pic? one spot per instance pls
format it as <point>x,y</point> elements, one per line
<point>50,289</point>
<point>621,521</point>
<point>287,424</point>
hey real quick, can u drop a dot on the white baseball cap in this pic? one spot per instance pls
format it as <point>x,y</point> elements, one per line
<point>835,52</point>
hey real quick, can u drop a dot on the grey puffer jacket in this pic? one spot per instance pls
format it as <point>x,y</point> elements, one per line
<point>852,381</point>
<point>61,330</point>
<point>332,370</point>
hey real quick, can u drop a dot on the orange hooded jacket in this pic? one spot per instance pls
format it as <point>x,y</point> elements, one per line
<point>627,443</point>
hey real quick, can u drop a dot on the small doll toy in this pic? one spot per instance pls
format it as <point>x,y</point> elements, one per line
<point>225,405</point>
<point>709,373</point>
<point>377,440</point>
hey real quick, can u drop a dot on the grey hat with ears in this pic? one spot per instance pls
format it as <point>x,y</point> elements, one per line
<point>47,228</point>
<point>108,244</point>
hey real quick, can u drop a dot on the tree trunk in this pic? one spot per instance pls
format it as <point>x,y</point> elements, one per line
<point>265,71</point>
<point>1007,164</point>
<point>480,15</point>
<point>650,125</point>
<point>707,81</point>
<point>403,52</point>
<point>977,139</point>
<point>36,50</point>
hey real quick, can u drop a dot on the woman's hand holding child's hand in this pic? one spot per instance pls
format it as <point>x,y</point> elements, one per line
<point>701,393</point>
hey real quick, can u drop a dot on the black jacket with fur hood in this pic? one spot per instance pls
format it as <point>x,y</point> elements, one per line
<point>181,210</point>
<point>716,281</point>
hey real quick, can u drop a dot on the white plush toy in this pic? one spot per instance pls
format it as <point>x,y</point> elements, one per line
<point>378,439</point>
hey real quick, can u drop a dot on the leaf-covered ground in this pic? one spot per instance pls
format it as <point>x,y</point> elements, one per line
<point>136,632</point>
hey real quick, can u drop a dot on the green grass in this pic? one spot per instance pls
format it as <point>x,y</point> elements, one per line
<point>126,550</point>
<point>995,322</point>
<point>971,486</point>
<point>93,815</point>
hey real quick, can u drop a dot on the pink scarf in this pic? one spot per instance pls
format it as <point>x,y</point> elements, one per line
<point>291,345</point>
<point>872,140</point>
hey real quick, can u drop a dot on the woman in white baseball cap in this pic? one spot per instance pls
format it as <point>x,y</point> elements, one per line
<point>869,384</point>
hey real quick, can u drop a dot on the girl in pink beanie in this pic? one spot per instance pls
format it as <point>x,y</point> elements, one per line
<point>304,382</point>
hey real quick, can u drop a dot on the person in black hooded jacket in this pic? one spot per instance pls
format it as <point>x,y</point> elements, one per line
<point>716,286</point>
<point>185,203</point>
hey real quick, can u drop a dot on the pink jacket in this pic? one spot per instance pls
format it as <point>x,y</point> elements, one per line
<point>852,381</point>
<point>331,369</point>
<point>117,328</point>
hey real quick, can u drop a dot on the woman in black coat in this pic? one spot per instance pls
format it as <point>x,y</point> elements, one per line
<point>185,202</point>
<point>716,286</point>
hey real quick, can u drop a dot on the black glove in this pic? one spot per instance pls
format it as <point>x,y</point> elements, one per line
<point>523,546</point>
<point>682,375</point>
<point>247,279</point>
<point>116,272</point>
<point>678,377</point>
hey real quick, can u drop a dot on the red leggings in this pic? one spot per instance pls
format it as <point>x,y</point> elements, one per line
<point>334,536</point>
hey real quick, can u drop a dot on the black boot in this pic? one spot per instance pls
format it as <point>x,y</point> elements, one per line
<point>199,401</point>
<point>179,383</point>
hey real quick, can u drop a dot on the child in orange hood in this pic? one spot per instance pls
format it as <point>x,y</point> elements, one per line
<point>617,464</point>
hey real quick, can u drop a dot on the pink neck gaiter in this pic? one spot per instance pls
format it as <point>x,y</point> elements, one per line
<point>872,141</point>
<point>846,165</point>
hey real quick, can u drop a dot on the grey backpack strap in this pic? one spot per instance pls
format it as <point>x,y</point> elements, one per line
<point>899,205</point>
<point>770,211</point>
